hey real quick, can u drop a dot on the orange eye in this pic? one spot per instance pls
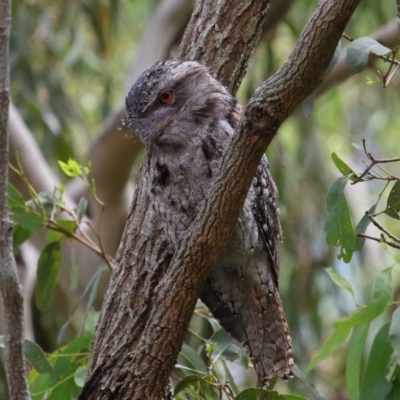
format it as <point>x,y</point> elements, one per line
<point>166,97</point>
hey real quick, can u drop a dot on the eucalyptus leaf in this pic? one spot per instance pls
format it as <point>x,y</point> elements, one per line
<point>354,361</point>
<point>190,381</point>
<point>362,227</point>
<point>47,272</point>
<point>393,202</point>
<point>343,168</point>
<point>340,281</point>
<point>358,51</point>
<point>374,384</point>
<point>382,293</point>
<point>339,228</point>
<point>394,333</point>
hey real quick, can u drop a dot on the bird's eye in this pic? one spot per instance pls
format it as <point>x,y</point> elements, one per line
<point>166,97</point>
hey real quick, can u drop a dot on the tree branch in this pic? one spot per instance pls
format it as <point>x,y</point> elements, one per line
<point>224,44</point>
<point>9,283</point>
<point>152,297</point>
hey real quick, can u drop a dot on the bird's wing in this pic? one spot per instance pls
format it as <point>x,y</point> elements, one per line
<point>242,288</point>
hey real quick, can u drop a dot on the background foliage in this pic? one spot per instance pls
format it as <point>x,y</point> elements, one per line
<point>69,66</point>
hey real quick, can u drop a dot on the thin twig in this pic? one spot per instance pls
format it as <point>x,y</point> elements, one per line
<point>51,224</point>
<point>379,240</point>
<point>375,161</point>
<point>381,228</point>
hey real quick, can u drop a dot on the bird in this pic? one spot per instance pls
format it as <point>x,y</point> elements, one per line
<point>185,118</point>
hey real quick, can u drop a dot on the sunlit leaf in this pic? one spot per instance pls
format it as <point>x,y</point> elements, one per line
<point>47,272</point>
<point>374,384</point>
<point>339,228</point>
<point>382,293</point>
<point>393,202</point>
<point>354,361</point>
<point>70,168</point>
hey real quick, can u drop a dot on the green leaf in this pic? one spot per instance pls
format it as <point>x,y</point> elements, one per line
<point>395,392</point>
<point>36,358</point>
<point>15,198</point>
<point>56,236</point>
<point>233,352</point>
<point>362,227</point>
<point>292,397</point>
<point>80,376</point>
<point>354,361</point>
<point>61,382</point>
<point>71,168</point>
<point>258,394</point>
<point>343,168</point>
<point>28,219</point>
<point>20,235</point>
<point>91,322</point>
<point>81,208</point>
<point>340,281</point>
<point>189,358</point>
<point>358,51</point>
<point>190,381</point>
<point>394,333</point>
<point>382,293</point>
<point>374,384</point>
<point>339,228</point>
<point>47,272</point>
<point>230,378</point>
<point>393,202</point>
<point>298,373</point>
<point>337,338</point>
<point>222,341</point>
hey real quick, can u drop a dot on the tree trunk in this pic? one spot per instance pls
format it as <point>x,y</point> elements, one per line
<point>9,283</point>
<point>154,287</point>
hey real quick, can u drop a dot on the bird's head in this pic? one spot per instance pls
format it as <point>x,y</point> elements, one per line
<point>169,98</point>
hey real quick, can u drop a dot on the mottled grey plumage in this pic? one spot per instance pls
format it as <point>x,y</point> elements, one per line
<point>185,138</point>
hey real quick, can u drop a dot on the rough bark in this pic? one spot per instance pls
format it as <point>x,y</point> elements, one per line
<point>223,36</point>
<point>152,292</point>
<point>9,283</point>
